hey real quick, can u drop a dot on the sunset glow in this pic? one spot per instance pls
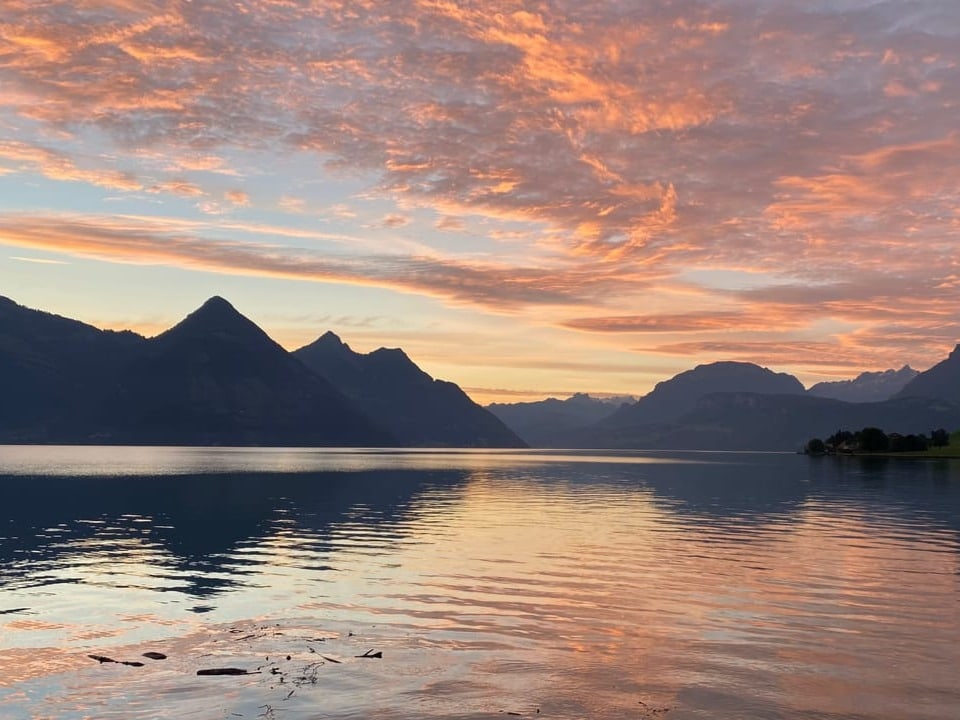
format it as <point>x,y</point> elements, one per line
<point>529,198</point>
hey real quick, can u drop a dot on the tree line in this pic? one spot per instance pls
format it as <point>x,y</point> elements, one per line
<point>875,440</point>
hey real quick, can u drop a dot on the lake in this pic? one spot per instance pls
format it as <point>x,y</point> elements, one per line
<point>493,584</point>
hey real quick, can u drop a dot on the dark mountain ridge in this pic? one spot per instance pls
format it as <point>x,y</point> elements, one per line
<point>416,408</point>
<point>216,378</point>
<point>541,421</point>
<point>671,399</point>
<point>941,381</point>
<point>741,406</point>
<point>867,386</point>
<point>54,371</point>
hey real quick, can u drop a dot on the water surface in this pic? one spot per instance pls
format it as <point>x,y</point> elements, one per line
<point>576,584</point>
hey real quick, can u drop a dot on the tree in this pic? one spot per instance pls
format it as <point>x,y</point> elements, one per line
<point>873,439</point>
<point>939,438</point>
<point>839,438</point>
<point>907,443</point>
<point>815,447</point>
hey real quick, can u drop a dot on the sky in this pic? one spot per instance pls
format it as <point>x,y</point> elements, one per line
<point>531,198</point>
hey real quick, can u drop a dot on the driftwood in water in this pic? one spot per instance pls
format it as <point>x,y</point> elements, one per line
<point>104,659</point>
<point>227,671</point>
<point>155,655</point>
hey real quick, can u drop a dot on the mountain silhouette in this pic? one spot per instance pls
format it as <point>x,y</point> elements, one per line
<point>53,373</point>
<point>787,422</point>
<point>216,378</point>
<point>671,399</point>
<point>941,381</point>
<point>542,421</point>
<point>866,387</point>
<point>740,406</point>
<point>416,408</point>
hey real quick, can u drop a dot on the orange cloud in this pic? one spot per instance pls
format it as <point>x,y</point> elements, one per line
<point>683,322</point>
<point>138,241</point>
<point>26,157</point>
<point>617,146</point>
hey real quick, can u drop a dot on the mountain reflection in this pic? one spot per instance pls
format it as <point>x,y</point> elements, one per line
<point>579,584</point>
<point>199,532</point>
<point>203,534</point>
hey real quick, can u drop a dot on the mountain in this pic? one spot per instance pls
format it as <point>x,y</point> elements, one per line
<point>866,387</point>
<point>216,378</point>
<point>540,422</point>
<point>54,372</point>
<point>751,421</point>
<point>417,409</point>
<point>941,381</point>
<point>671,399</point>
<point>777,422</point>
<point>745,407</point>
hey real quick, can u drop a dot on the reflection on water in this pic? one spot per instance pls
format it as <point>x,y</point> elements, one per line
<point>580,585</point>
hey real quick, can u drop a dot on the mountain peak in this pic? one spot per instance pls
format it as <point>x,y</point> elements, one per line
<point>217,301</point>
<point>216,316</point>
<point>396,353</point>
<point>215,307</point>
<point>330,345</point>
<point>866,387</point>
<point>941,381</point>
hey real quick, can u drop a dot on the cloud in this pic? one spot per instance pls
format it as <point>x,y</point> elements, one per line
<point>616,146</point>
<point>292,204</point>
<point>395,220</point>
<point>448,223</point>
<point>27,157</point>
<point>139,241</point>
<point>182,188</point>
<point>678,322</point>
<point>237,197</point>
<point>39,261</point>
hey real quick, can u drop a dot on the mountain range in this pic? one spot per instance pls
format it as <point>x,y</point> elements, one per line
<point>213,379</point>
<point>866,387</point>
<point>540,423</point>
<point>216,378</point>
<point>742,406</point>
<point>416,409</point>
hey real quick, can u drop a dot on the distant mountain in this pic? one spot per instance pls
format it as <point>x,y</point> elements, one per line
<point>941,381</point>
<point>745,407</point>
<point>671,399</point>
<point>866,387</point>
<point>542,421</point>
<point>417,409</point>
<point>749,421</point>
<point>54,372</point>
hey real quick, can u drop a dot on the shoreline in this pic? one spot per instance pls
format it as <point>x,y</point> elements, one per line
<point>953,454</point>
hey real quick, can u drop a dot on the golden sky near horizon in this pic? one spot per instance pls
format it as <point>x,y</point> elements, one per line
<point>531,198</point>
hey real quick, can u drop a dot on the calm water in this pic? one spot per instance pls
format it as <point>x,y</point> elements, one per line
<point>578,585</point>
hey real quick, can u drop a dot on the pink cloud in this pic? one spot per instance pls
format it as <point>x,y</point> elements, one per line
<point>493,286</point>
<point>619,144</point>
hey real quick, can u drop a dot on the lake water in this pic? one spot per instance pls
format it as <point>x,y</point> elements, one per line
<point>550,585</point>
